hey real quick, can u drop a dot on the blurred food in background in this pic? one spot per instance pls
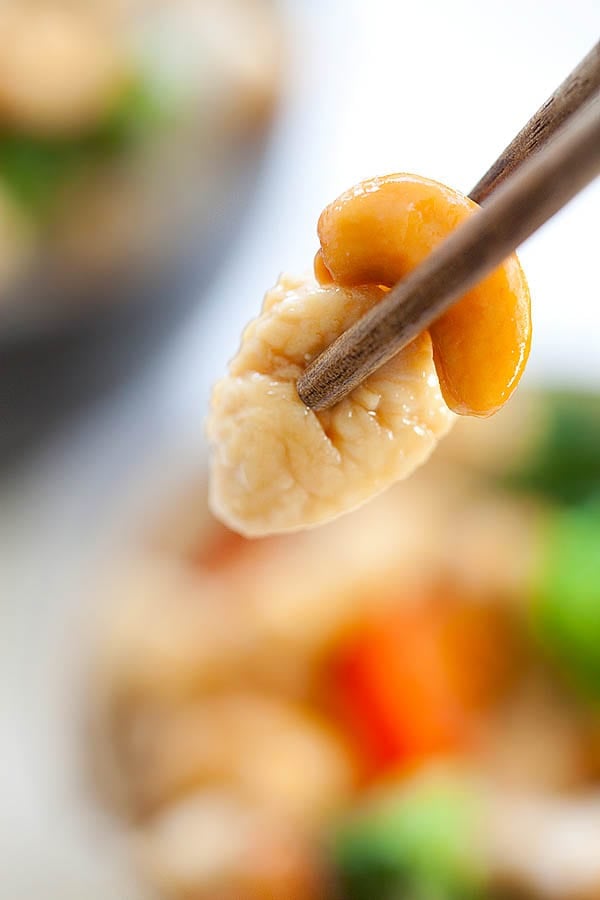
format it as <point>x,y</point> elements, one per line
<point>106,111</point>
<point>403,703</point>
<point>132,137</point>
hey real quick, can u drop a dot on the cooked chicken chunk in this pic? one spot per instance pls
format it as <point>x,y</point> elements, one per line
<point>278,466</point>
<point>60,70</point>
<point>210,845</point>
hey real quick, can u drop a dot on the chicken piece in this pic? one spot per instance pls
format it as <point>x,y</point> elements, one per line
<point>499,445</point>
<point>278,757</point>
<point>211,845</point>
<point>278,466</point>
<point>169,629</point>
<point>547,845</point>
<point>237,51</point>
<point>491,545</point>
<point>60,71</point>
<point>537,740</point>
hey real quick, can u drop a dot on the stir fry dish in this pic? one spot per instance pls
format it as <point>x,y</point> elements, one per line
<point>93,98</point>
<point>404,703</point>
<point>278,466</point>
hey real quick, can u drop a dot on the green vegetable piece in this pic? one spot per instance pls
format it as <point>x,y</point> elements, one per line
<point>565,463</point>
<point>142,108</point>
<point>418,842</point>
<point>35,169</point>
<point>566,608</point>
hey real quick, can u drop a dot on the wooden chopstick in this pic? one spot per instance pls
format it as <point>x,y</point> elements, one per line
<point>542,176</point>
<point>534,193</point>
<point>575,91</point>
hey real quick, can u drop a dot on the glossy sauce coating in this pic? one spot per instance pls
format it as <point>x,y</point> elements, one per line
<point>380,230</point>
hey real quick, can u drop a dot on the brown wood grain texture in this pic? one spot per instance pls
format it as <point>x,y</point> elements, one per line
<point>577,89</point>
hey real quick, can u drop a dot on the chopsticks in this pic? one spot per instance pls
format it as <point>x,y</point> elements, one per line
<point>574,92</point>
<point>537,174</point>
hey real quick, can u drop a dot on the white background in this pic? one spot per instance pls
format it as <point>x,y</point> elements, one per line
<point>432,87</point>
